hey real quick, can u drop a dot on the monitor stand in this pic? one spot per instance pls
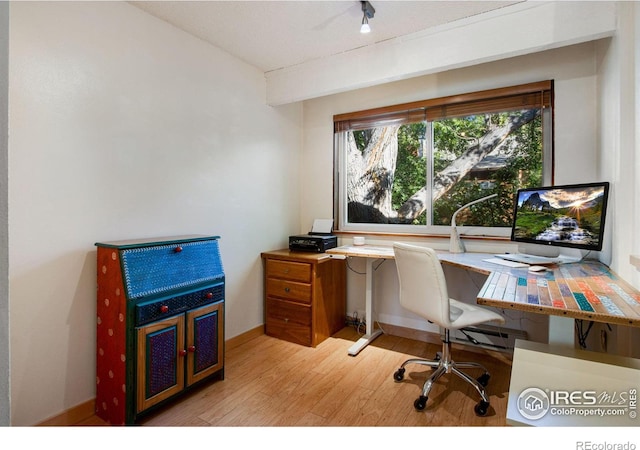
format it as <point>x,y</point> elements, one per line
<point>570,255</point>
<point>563,254</point>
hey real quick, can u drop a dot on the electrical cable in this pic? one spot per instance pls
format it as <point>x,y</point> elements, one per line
<point>470,338</point>
<point>352,269</point>
<point>382,261</point>
<point>582,334</point>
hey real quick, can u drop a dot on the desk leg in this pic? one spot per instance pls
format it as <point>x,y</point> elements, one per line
<point>562,331</point>
<point>371,335</point>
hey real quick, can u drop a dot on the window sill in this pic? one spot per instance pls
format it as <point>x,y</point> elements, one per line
<point>382,235</point>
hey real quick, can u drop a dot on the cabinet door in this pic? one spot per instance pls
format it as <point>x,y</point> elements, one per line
<point>205,341</point>
<point>160,363</point>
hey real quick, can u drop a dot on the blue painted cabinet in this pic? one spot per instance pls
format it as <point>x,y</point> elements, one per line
<point>160,324</point>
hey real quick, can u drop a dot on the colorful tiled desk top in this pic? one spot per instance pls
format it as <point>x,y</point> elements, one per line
<point>586,290</point>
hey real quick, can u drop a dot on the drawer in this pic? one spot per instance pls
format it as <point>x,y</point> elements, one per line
<point>288,321</point>
<point>289,270</point>
<point>151,311</point>
<point>289,290</point>
<point>162,268</point>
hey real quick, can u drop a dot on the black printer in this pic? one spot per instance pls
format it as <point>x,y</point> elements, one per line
<point>317,243</point>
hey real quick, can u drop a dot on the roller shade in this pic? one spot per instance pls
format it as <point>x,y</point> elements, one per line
<point>528,96</point>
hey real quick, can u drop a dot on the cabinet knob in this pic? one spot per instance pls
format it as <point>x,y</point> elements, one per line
<point>191,349</point>
<point>209,294</point>
<point>182,352</point>
<point>287,289</point>
<point>164,309</point>
<point>286,320</point>
<point>178,249</point>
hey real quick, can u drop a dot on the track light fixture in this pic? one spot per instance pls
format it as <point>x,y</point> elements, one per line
<point>367,13</point>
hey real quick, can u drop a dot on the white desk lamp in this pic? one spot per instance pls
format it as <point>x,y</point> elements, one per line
<point>455,244</point>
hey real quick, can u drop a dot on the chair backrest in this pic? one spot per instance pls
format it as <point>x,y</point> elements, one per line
<point>423,287</point>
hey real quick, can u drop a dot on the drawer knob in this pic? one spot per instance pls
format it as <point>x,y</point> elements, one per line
<point>287,289</point>
<point>286,320</point>
<point>286,271</point>
<point>191,349</point>
<point>182,352</point>
<point>164,309</point>
<point>178,249</point>
<point>209,294</point>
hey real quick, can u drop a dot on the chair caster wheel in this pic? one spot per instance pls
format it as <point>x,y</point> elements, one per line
<point>421,403</point>
<point>399,375</point>
<point>484,379</point>
<point>482,408</point>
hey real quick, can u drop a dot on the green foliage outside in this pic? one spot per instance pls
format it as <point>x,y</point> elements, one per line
<point>522,167</point>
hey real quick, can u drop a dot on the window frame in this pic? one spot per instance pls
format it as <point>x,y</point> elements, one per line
<point>531,95</point>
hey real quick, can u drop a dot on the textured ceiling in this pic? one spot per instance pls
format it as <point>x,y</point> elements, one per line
<point>271,35</point>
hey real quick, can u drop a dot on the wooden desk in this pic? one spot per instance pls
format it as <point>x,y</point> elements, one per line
<point>587,290</point>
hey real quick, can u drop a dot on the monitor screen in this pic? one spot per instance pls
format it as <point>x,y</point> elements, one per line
<point>564,216</point>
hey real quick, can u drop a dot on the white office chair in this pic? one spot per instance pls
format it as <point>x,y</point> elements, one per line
<point>423,291</point>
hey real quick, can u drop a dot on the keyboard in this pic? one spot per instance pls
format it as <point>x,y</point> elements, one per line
<point>528,259</point>
<point>505,262</point>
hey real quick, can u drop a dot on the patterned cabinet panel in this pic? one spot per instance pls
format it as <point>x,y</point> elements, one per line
<point>160,374</point>
<point>160,324</point>
<point>205,342</point>
<point>158,269</point>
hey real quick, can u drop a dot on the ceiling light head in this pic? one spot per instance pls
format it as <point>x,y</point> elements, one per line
<point>365,28</point>
<point>367,13</point>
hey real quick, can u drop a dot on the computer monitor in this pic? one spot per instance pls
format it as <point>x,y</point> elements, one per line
<point>562,216</point>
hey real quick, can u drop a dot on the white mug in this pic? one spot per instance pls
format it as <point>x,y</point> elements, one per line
<point>358,240</point>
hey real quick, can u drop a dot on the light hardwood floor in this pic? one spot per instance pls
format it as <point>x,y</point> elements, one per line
<point>270,382</point>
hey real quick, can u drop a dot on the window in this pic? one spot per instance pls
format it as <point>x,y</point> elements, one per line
<point>408,168</point>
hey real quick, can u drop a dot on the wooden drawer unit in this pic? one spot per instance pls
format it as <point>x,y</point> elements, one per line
<point>305,297</point>
<point>160,324</point>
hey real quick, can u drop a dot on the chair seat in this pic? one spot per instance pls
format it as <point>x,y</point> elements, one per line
<point>465,314</point>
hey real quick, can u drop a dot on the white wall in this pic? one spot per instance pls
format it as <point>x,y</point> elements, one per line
<point>618,66</point>
<point>122,126</point>
<point>576,151</point>
<point>619,73</point>
<point>4,249</point>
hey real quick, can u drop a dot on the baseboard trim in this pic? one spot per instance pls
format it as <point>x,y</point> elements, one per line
<point>71,416</point>
<point>244,337</point>
<point>434,338</point>
<point>411,333</point>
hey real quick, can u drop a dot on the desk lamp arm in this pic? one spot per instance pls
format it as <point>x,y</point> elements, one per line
<point>455,244</point>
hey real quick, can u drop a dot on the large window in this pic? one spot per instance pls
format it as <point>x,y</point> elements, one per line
<point>408,168</point>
